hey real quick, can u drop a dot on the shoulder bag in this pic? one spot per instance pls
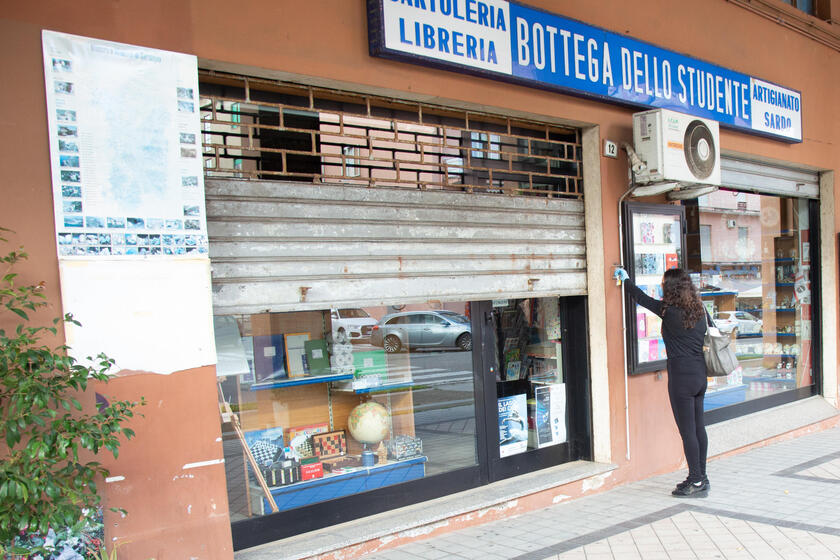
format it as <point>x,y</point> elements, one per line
<point>717,349</point>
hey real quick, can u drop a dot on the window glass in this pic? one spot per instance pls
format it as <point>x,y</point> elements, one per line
<point>312,401</point>
<point>806,6</point>
<point>705,242</point>
<point>530,382</point>
<point>352,313</point>
<point>657,247</point>
<point>756,283</point>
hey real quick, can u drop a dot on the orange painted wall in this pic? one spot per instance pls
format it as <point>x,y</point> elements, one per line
<point>327,41</point>
<point>171,479</point>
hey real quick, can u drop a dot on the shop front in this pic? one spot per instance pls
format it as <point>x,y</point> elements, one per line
<point>381,345</point>
<point>748,248</point>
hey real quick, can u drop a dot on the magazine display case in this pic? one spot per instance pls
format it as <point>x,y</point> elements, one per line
<point>654,242</point>
<point>531,387</point>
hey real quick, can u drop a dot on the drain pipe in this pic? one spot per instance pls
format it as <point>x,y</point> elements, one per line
<point>624,324</point>
<point>636,166</point>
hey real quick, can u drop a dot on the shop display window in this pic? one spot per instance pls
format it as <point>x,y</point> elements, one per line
<point>318,405</point>
<point>750,258</point>
<point>755,280</point>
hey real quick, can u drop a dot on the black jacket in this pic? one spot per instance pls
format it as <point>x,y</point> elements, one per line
<point>679,341</point>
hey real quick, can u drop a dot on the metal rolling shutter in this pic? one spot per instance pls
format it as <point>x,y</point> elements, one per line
<point>768,178</point>
<point>279,246</point>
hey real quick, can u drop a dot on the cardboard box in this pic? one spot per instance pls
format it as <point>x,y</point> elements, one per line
<point>308,471</point>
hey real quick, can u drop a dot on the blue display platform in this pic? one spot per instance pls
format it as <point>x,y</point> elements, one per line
<point>333,486</point>
<point>723,396</point>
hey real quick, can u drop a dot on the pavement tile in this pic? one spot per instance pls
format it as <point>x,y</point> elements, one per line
<point>753,512</point>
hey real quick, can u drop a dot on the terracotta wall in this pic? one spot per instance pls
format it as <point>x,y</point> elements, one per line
<point>327,41</point>
<point>170,478</point>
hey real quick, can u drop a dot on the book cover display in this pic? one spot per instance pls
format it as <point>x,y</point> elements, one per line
<point>547,421</point>
<point>296,363</point>
<point>269,357</point>
<point>657,246</point>
<point>317,356</point>
<point>513,425</point>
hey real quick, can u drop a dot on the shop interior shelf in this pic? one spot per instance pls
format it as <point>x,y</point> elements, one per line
<point>773,379</point>
<point>724,395</point>
<point>384,388</point>
<point>353,481</point>
<point>750,335</point>
<point>777,310</point>
<point>300,381</point>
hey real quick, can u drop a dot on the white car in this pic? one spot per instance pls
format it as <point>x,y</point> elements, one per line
<point>737,322</point>
<point>349,324</point>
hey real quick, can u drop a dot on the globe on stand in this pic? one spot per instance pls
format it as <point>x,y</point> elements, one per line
<point>369,424</point>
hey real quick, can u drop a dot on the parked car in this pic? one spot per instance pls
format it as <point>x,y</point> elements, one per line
<point>737,322</point>
<point>412,329</point>
<point>351,324</point>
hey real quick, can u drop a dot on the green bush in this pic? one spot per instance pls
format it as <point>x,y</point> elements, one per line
<point>46,481</point>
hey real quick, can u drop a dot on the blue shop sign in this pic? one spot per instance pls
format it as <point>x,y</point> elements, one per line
<point>505,40</point>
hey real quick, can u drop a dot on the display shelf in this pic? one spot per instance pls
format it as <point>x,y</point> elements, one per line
<point>301,381</point>
<point>545,350</point>
<point>384,388</point>
<point>784,284</point>
<point>724,395</point>
<point>774,379</point>
<point>352,481</point>
<point>749,335</point>
<point>777,310</point>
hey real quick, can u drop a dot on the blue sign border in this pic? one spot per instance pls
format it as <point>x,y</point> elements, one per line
<point>622,70</point>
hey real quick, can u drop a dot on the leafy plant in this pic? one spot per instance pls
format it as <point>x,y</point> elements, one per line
<point>47,482</point>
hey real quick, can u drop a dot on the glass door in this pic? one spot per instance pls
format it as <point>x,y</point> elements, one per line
<point>533,414</point>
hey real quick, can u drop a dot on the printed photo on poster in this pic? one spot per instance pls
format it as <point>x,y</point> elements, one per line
<point>548,415</point>
<point>513,425</point>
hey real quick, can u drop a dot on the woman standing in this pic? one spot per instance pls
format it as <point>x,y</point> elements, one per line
<point>683,330</point>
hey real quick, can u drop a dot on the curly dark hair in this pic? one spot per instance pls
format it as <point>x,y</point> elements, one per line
<point>678,291</point>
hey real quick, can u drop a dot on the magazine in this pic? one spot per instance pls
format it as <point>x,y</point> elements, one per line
<point>513,425</point>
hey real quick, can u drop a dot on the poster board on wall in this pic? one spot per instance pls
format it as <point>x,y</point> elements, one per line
<point>128,195</point>
<point>125,149</point>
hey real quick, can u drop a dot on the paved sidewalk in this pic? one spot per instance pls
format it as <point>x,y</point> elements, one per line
<point>776,502</point>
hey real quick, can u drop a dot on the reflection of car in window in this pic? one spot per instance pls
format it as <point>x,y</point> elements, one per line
<point>412,329</point>
<point>737,322</point>
<point>349,324</point>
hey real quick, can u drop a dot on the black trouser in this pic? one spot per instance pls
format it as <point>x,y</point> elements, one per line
<point>686,389</point>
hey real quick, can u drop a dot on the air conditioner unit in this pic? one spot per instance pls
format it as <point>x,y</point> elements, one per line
<point>676,148</point>
<point>730,224</point>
